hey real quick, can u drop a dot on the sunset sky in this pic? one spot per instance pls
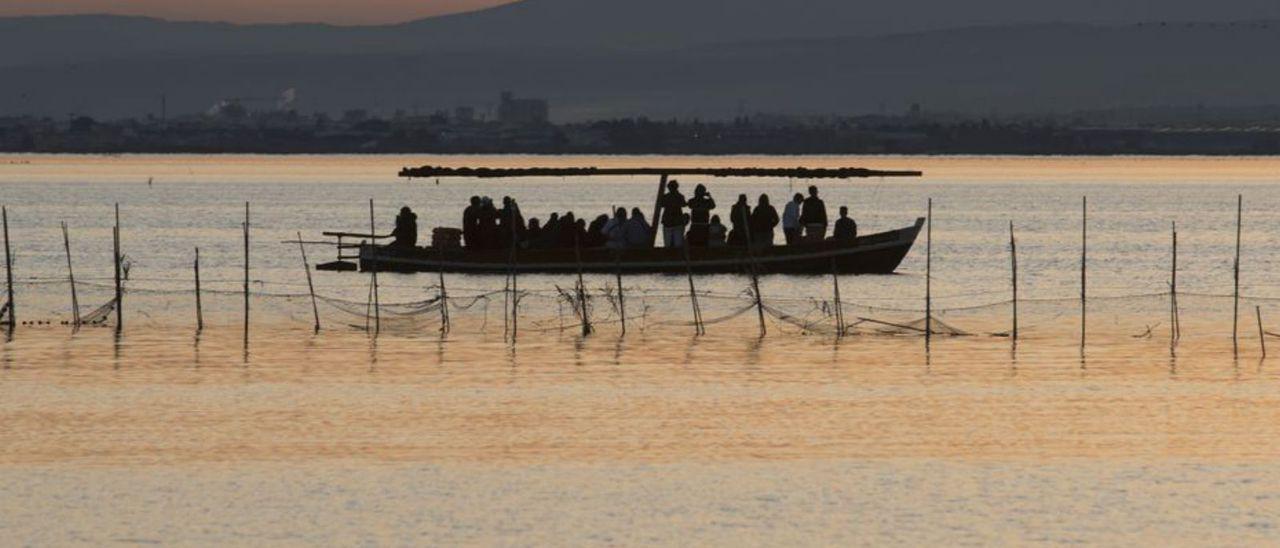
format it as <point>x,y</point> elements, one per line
<point>344,12</point>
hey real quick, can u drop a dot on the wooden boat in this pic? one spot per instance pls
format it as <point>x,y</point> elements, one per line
<point>871,254</point>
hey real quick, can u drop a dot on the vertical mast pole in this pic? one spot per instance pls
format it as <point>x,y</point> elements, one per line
<point>657,210</point>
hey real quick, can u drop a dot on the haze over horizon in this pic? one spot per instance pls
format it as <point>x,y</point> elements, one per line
<point>663,58</point>
<point>380,12</point>
<point>336,12</point>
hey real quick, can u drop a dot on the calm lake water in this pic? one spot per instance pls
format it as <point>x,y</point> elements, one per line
<point>166,434</point>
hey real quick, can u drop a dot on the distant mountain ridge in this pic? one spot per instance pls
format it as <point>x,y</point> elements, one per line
<point>576,24</point>
<point>618,58</point>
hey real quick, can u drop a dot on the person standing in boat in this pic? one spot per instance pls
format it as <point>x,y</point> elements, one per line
<point>846,228</point>
<point>673,219</point>
<point>406,232</point>
<point>487,224</point>
<point>471,224</point>
<point>813,215</point>
<point>763,220</point>
<point>510,223</point>
<point>791,220</point>
<point>700,207</point>
<point>638,231</point>
<point>615,231</point>
<point>716,232</point>
<point>740,220</point>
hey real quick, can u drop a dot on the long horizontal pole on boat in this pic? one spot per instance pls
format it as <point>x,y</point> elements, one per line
<point>794,173</point>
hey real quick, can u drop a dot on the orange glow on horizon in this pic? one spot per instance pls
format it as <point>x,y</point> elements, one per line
<point>338,12</point>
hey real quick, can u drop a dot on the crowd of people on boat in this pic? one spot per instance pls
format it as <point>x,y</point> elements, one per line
<point>682,222</point>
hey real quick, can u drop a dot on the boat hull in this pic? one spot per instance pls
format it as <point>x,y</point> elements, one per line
<point>879,253</point>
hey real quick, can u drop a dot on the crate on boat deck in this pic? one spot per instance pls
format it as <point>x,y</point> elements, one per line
<point>446,238</point>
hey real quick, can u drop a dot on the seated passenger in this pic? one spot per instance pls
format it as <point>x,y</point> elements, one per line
<point>846,228</point>
<point>615,231</point>
<point>580,236</point>
<point>595,232</point>
<point>639,235</point>
<point>568,232</point>
<point>549,235</point>
<point>716,233</point>
<point>406,232</point>
<point>533,234</point>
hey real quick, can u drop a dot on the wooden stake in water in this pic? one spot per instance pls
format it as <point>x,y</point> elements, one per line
<point>755,273</point>
<point>928,276</point>
<point>1084,269</point>
<point>693,293</point>
<point>246,272</point>
<point>311,287</point>
<point>1175,329</point>
<point>1262,335</point>
<point>622,299</point>
<point>373,247</point>
<point>1235,319</point>
<point>199,302</point>
<point>582,289</point>
<point>71,277</point>
<point>839,305</point>
<point>1013,257</point>
<point>444,304</point>
<point>8,271</point>
<point>119,282</point>
<point>514,275</point>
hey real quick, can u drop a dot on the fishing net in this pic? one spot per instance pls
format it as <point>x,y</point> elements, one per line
<point>417,305</point>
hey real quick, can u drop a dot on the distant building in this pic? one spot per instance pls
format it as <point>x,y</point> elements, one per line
<point>464,115</point>
<point>523,112</point>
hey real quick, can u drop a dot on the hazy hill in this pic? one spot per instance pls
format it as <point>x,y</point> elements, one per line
<point>661,58</point>
<point>578,24</point>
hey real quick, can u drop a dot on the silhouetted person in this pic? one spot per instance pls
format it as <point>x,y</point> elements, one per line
<point>533,235</point>
<point>487,224</point>
<point>595,232</point>
<point>510,223</point>
<point>716,233</point>
<point>568,231</point>
<point>580,237</point>
<point>471,224</point>
<point>550,233</point>
<point>813,215</point>
<point>846,228</point>
<point>615,231</point>
<point>700,207</point>
<point>763,221</point>
<point>791,228</point>
<point>673,218</point>
<point>406,232</point>
<point>740,220</point>
<point>638,231</point>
